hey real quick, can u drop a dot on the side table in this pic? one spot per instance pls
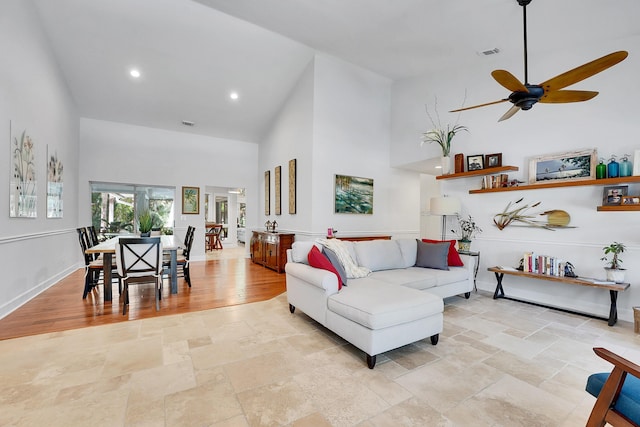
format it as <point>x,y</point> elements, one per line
<point>475,254</point>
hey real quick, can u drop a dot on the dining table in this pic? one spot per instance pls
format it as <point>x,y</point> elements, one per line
<point>170,244</point>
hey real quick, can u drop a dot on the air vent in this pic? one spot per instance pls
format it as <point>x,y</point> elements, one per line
<point>188,123</point>
<point>489,52</point>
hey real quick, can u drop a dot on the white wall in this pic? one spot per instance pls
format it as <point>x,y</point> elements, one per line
<point>290,137</point>
<point>35,253</point>
<point>116,152</point>
<point>607,123</point>
<point>337,121</point>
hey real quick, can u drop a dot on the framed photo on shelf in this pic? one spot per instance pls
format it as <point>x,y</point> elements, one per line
<point>493,160</point>
<point>569,166</point>
<point>475,163</point>
<point>613,195</point>
<point>630,200</point>
<point>191,200</point>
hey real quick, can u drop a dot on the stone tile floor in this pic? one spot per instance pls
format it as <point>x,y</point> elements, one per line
<point>498,363</point>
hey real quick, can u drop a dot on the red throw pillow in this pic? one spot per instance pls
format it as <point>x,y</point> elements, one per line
<point>318,260</point>
<point>453,258</point>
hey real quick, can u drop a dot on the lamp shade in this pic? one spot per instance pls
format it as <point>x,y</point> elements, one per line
<point>445,206</point>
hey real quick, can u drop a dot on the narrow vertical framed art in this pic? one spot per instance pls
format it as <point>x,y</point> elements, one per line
<point>267,190</point>
<point>278,181</point>
<point>54,185</point>
<point>23,184</point>
<point>292,186</point>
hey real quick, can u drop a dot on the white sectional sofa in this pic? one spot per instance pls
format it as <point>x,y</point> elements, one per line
<point>396,304</point>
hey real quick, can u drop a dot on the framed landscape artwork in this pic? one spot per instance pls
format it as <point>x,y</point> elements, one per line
<point>570,166</point>
<point>353,195</point>
<point>190,200</point>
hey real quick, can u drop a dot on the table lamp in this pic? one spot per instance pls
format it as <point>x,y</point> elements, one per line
<point>444,206</point>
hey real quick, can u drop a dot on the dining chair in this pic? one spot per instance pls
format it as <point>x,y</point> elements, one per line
<point>214,233</point>
<point>92,265</point>
<point>139,261</point>
<point>182,258</point>
<point>617,393</point>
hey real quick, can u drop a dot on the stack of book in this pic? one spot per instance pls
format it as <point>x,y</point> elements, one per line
<point>543,264</point>
<point>495,181</point>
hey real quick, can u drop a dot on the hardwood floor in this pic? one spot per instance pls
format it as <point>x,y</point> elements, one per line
<point>215,283</point>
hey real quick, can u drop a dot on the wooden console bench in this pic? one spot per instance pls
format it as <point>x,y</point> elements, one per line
<point>613,288</point>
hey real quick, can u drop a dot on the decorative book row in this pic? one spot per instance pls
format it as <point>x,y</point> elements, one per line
<point>543,264</point>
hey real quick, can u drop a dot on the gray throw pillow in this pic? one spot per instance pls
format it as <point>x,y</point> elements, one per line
<point>333,258</point>
<point>433,255</point>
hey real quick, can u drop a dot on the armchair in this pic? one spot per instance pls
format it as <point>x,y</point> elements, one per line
<point>617,393</point>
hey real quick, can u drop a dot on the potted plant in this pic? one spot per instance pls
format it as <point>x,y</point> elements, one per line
<point>443,136</point>
<point>468,229</point>
<point>614,272</point>
<point>145,223</point>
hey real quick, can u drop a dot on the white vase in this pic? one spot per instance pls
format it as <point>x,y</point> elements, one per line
<point>445,163</point>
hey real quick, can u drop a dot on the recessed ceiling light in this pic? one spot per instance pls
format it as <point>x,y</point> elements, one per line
<point>234,95</point>
<point>134,73</point>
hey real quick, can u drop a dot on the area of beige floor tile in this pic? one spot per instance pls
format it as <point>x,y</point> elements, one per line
<point>258,364</point>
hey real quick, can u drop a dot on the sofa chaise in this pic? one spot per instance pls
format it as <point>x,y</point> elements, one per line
<point>394,304</point>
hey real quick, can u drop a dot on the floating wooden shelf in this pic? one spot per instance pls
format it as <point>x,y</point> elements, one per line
<point>479,172</point>
<point>609,208</point>
<point>577,183</point>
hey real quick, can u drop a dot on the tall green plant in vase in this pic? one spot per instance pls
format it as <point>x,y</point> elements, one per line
<point>145,223</point>
<point>442,135</point>
<point>614,272</point>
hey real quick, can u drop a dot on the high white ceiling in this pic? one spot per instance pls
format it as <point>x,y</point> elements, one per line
<point>193,53</point>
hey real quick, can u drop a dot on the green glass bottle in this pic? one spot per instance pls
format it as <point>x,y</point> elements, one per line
<point>601,170</point>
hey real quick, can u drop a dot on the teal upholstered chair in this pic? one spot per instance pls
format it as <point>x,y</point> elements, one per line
<point>617,393</point>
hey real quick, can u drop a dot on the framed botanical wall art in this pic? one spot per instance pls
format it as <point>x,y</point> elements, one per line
<point>353,195</point>
<point>277,181</point>
<point>191,200</point>
<point>54,185</point>
<point>292,186</point>
<point>475,163</point>
<point>267,191</point>
<point>23,184</point>
<point>569,166</point>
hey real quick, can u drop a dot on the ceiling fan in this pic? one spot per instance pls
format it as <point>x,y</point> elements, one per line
<point>524,96</point>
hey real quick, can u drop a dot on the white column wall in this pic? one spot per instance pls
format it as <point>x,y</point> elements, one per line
<point>35,253</point>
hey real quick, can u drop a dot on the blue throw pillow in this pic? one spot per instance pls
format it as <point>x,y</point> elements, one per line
<point>433,255</point>
<point>335,261</point>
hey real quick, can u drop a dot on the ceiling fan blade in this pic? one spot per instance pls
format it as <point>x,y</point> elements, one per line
<point>560,96</point>
<point>509,81</point>
<point>584,71</point>
<point>478,106</point>
<point>509,113</point>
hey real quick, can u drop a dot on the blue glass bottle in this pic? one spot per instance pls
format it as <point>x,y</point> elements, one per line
<point>601,170</point>
<point>626,167</point>
<point>613,168</point>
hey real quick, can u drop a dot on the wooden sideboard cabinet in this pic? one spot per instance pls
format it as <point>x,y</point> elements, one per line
<point>270,249</point>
